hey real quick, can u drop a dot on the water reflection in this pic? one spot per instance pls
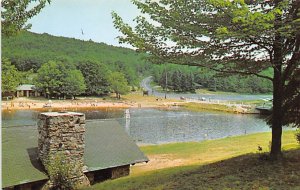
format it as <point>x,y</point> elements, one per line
<point>156,126</point>
<point>29,117</point>
<point>19,118</point>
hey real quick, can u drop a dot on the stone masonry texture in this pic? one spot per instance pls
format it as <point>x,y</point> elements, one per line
<point>63,132</point>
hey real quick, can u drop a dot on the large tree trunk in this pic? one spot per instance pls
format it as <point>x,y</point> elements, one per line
<point>278,83</point>
<point>277,116</point>
<point>118,96</point>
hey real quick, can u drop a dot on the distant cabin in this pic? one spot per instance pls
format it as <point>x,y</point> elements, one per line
<point>26,90</point>
<point>108,154</point>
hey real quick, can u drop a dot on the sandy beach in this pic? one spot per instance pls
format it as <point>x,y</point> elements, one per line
<point>25,104</point>
<point>131,100</point>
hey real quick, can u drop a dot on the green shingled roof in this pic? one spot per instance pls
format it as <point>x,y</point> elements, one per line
<point>19,156</point>
<point>25,87</point>
<point>107,145</point>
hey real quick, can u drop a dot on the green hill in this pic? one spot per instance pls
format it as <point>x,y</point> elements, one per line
<point>30,50</point>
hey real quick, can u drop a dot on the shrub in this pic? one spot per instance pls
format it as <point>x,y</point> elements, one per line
<point>59,171</point>
<point>261,154</point>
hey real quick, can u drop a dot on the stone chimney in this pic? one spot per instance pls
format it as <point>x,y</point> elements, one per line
<point>63,132</point>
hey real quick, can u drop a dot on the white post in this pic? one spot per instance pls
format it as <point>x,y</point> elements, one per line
<point>127,118</point>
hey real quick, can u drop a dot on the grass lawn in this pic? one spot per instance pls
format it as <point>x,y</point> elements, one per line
<point>207,106</point>
<point>147,101</point>
<point>210,92</point>
<point>152,101</point>
<point>229,163</point>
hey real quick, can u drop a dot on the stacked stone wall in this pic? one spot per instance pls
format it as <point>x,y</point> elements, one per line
<point>63,133</point>
<point>120,171</point>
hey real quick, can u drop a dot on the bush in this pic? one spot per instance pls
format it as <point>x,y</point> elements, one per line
<point>59,171</point>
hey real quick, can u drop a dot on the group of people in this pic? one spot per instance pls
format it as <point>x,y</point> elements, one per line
<point>20,104</point>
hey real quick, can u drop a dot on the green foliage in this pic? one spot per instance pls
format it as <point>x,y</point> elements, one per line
<point>129,72</point>
<point>235,83</point>
<point>59,171</point>
<point>176,78</point>
<point>27,77</point>
<point>14,14</point>
<point>224,36</point>
<point>177,81</point>
<point>118,83</point>
<point>291,108</point>
<point>29,51</point>
<point>10,77</point>
<point>95,76</point>
<point>180,79</point>
<point>163,80</point>
<point>184,78</point>
<point>59,79</point>
<point>73,83</point>
<point>232,37</point>
<point>48,78</point>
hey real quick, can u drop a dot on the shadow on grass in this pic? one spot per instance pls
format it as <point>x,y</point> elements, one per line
<point>243,172</point>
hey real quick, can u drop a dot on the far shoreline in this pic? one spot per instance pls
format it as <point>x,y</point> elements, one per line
<point>132,100</point>
<point>128,101</point>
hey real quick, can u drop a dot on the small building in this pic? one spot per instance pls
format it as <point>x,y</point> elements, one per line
<point>26,90</point>
<point>108,154</point>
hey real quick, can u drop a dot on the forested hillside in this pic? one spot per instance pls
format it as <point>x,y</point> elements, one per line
<point>186,78</point>
<point>61,67</point>
<point>97,61</point>
<point>29,51</point>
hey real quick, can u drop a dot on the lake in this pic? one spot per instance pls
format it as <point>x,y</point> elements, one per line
<point>158,126</point>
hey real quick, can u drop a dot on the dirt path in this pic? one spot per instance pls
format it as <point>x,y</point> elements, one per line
<point>160,161</point>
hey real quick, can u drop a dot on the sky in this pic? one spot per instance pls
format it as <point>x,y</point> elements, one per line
<point>67,18</point>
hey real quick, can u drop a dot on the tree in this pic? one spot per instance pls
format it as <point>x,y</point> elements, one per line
<point>183,82</point>
<point>175,78</point>
<point>95,76</point>
<point>118,83</point>
<point>10,77</point>
<point>60,79</point>
<point>231,36</point>
<point>73,83</point>
<point>164,81</point>
<point>291,106</point>
<point>15,13</point>
<point>190,82</point>
<point>129,72</point>
<point>48,79</point>
<point>26,77</point>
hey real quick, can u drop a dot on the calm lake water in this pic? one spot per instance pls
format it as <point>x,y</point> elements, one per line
<point>156,126</point>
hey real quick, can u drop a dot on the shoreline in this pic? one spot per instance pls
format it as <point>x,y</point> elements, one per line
<point>88,103</point>
<point>133,100</point>
<point>61,105</point>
